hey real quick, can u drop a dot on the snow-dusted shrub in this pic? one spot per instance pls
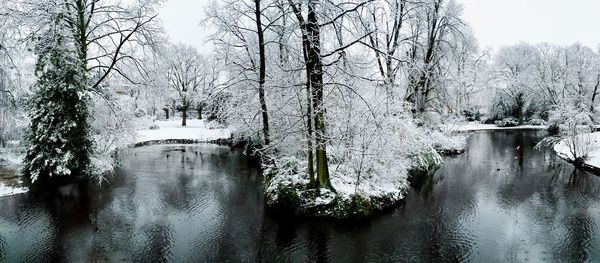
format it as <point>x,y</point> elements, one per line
<point>471,114</point>
<point>536,122</point>
<point>12,125</point>
<point>508,122</point>
<point>447,143</point>
<point>574,139</point>
<point>11,156</point>
<point>369,167</point>
<point>112,128</point>
<point>214,124</point>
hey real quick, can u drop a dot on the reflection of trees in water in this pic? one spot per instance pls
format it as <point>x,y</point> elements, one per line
<point>536,190</point>
<point>578,238</point>
<point>277,236</point>
<point>2,247</point>
<point>218,194</point>
<point>69,209</point>
<point>582,191</point>
<point>156,243</point>
<point>318,245</point>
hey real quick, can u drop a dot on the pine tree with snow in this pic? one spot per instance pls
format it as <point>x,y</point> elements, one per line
<point>58,139</point>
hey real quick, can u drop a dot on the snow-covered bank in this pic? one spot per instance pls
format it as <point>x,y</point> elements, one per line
<point>357,195</point>
<point>10,162</point>
<point>9,190</point>
<point>475,126</point>
<point>196,131</point>
<point>591,144</point>
<point>12,156</point>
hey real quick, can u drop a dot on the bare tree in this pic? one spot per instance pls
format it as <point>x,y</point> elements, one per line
<point>110,36</point>
<point>437,21</point>
<point>311,43</point>
<point>185,77</point>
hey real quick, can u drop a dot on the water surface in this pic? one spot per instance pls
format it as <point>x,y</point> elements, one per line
<point>501,201</point>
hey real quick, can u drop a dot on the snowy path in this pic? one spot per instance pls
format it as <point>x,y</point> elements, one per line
<point>196,130</point>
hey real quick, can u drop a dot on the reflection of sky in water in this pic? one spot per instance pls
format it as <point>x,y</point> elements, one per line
<point>532,209</point>
<point>500,201</point>
<point>175,203</point>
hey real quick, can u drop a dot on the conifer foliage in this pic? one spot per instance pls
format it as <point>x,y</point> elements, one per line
<point>59,143</point>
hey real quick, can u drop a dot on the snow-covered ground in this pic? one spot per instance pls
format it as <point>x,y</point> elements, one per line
<point>196,130</point>
<point>10,160</point>
<point>476,126</point>
<point>591,141</point>
<point>8,190</point>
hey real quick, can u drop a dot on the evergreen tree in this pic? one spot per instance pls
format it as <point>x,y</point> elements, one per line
<point>58,139</point>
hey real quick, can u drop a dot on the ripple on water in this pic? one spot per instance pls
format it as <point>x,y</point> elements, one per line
<point>204,204</point>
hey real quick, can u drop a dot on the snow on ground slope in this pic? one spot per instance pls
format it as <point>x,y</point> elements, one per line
<point>196,130</point>
<point>10,161</point>
<point>591,140</point>
<point>8,190</point>
<point>475,126</point>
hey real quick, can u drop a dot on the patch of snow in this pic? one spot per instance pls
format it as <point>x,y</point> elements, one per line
<point>11,158</point>
<point>591,139</point>
<point>196,130</point>
<point>6,190</point>
<point>476,126</point>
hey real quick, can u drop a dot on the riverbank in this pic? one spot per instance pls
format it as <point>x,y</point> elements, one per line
<point>476,126</point>
<point>196,131</point>
<point>157,132</point>
<point>360,190</point>
<point>288,191</point>
<point>589,142</point>
<point>10,163</point>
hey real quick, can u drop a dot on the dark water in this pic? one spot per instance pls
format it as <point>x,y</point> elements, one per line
<point>501,201</point>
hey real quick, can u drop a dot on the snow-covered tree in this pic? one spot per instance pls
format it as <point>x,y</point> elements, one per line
<point>532,81</point>
<point>58,140</point>
<point>185,75</point>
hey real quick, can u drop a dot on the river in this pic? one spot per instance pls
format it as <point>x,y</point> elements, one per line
<point>500,201</point>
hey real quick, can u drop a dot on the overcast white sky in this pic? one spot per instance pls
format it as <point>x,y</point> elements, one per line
<point>496,22</point>
<point>505,22</point>
<point>181,19</point>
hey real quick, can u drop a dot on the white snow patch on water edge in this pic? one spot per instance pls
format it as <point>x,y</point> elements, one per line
<point>6,190</point>
<point>475,126</point>
<point>196,130</point>
<point>591,140</point>
<point>384,184</point>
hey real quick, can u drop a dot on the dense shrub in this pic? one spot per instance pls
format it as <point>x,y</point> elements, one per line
<point>536,122</point>
<point>488,121</point>
<point>471,114</point>
<point>554,129</point>
<point>508,122</point>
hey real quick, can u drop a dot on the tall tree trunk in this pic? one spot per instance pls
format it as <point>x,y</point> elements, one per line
<point>283,50</point>
<point>262,74</point>
<point>314,71</point>
<point>315,66</point>
<point>184,110</point>
<point>595,93</point>
<point>309,115</point>
<point>81,33</point>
